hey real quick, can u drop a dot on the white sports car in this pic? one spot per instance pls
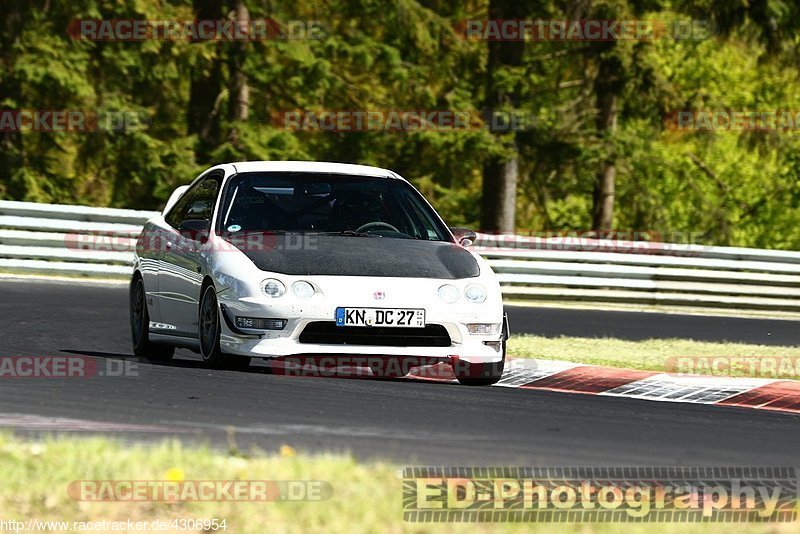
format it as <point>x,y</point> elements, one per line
<point>300,259</point>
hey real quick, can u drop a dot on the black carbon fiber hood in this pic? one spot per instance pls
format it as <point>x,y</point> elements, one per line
<point>362,256</point>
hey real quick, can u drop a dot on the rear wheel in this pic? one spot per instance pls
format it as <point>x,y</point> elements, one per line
<point>209,327</point>
<point>140,327</point>
<point>481,374</point>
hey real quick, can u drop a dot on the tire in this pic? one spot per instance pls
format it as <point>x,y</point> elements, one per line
<point>208,325</point>
<point>140,327</point>
<point>480,374</point>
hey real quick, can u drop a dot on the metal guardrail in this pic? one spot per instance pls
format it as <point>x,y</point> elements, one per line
<point>68,240</point>
<point>57,239</point>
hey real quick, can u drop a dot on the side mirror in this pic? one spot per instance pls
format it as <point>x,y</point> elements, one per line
<point>196,229</point>
<point>464,236</point>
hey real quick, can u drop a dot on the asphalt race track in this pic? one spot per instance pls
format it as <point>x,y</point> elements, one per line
<point>404,421</point>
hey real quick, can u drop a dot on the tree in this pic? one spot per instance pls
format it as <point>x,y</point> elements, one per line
<point>239,106</point>
<point>607,87</point>
<point>205,91</point>
<point>11,149</point>
<point>501,169</point>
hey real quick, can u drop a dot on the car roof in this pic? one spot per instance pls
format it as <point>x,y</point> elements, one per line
<point>312,166</point>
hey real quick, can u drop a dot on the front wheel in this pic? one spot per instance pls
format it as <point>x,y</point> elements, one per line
<point>208,324</point>
<point>480,374</point>
<point>140,327</point>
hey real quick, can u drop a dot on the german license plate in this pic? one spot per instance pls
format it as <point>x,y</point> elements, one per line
<point>394,317</point>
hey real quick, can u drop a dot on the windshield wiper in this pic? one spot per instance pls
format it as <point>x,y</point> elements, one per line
<point>349,233</point>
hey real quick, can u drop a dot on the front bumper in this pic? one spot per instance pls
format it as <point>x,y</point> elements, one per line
<point>472,348</point>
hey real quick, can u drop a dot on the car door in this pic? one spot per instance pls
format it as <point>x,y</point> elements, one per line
<point>180,269</point>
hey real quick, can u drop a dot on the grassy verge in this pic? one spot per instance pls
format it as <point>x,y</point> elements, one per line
<point>673,355</point>
<point>366,497</point>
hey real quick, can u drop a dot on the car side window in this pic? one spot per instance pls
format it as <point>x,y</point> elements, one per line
<point>197,204</point>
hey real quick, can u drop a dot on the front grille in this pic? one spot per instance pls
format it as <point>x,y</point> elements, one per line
<point>327,333</point>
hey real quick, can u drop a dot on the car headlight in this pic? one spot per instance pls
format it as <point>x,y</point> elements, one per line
<point>302,289</point>
<point>448,293</point>
<point>475,293</point>
<point>273,288</point>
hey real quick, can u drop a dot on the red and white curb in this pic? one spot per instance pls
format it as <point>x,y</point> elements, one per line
<point>550,375</point>
<point>767,394</point>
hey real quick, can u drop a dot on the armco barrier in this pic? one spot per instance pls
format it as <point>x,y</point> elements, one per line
<point>34,239</point>
<point>40,238</point>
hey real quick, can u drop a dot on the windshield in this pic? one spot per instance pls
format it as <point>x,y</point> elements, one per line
<point>327,203</point>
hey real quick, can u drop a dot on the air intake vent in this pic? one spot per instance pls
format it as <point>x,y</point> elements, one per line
<point>327,333</point>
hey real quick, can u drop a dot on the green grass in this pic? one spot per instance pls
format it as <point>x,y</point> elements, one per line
<point>366,496</point>
<point>656,355</point>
